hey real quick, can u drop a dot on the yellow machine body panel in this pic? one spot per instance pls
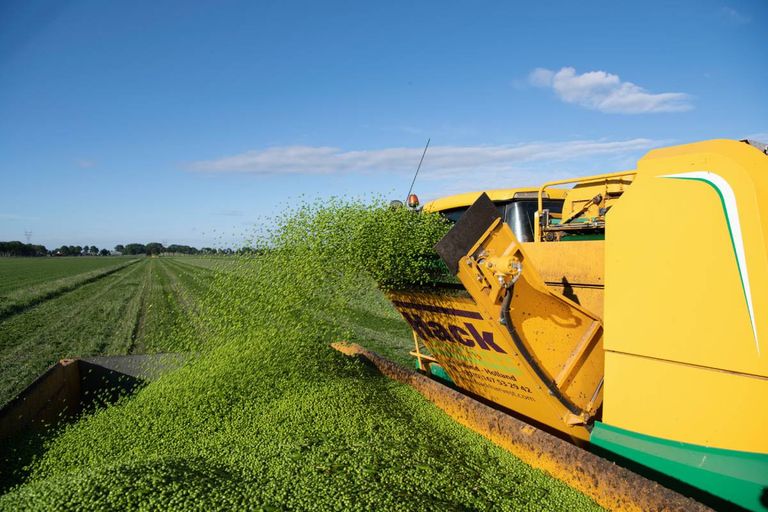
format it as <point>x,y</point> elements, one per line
<point>576,270</point>
<point>679,286</point>
<point>480,358</point>
<point>547,366</point>
<point>686,403</point>
<point>476,354</point>
<point>636,318</point>
<point>686,301</point>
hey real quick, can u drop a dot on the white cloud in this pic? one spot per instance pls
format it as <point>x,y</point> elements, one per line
<point>606,92</point>
<point>734,16</point>
<point>84,163</point>
<point>15,217</point>
<point>760,137</point>
<point>453,162</point>
<point>541,77</point>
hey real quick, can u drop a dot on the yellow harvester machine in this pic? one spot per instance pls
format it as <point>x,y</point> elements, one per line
<point>629,311</point>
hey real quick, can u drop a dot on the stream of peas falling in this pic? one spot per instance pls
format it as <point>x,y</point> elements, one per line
<point>268,417</point>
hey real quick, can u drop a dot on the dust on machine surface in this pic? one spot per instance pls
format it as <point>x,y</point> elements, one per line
<point>626,311</point>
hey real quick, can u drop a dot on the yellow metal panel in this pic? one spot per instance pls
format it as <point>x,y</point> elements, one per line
<point>686,299</point>
<point>573,269</point>
<point>467,337</point>
<point>685,403</point>
<point>579,198</point>
<point>574,261</point>
<point>674,287</point>
<point>479,357</point>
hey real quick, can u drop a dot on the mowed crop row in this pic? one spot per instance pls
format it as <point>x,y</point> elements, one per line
<point>95,306</point>
<point>22,273</point>
<point>142,306</point>
<point>28,281</point>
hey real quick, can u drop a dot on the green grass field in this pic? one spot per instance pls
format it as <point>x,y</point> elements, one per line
<point>91,306</point>
<point>20,273</point>
<point>25,282</point>
<point>79,307</point>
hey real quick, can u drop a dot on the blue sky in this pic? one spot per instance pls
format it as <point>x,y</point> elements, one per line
<point>191,122</point>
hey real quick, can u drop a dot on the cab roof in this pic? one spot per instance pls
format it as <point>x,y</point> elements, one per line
<point>502,194</point>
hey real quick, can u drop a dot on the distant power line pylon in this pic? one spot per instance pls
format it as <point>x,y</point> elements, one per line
<point>28,234</point>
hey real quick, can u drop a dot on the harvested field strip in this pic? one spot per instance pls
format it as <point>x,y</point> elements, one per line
<point>209,263</point>
<point>376,325</point>
<point>107,316</point>
<point>22,299</point>
<point>22,273</point>
<point>187,287</point>
<point>87,321</point>
<point>198,279</point>
<point>166,323</point>
<point>137,310</point>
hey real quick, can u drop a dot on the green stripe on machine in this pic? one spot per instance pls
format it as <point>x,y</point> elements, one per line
<point>739,477</point>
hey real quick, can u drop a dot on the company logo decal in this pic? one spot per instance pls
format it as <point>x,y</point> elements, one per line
<point>730,209</point>
<point>466,334</point>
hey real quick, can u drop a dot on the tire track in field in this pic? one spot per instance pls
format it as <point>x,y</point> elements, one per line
<point>15,309</point>
<point>159,322</point>
<point>140,319</point>
<point>201,279</point>
<point>191,267</point>
<point>76,310</point>
<point>181,292</point>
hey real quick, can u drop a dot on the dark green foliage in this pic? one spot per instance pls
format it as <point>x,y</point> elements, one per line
<point>132,249</point>
<point>181,249</point>
<point>154,248</point>
<point>20,249</point>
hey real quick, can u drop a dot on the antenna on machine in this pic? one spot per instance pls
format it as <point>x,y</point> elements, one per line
<point>407,197</point>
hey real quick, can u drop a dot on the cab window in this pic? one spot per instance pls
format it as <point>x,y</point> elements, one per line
<point>519,215</point>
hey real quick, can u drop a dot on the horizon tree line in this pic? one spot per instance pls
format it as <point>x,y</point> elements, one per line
<point>20,249</point>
